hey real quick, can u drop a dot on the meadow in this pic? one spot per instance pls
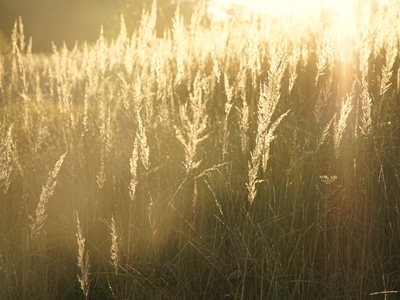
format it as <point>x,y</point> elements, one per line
<point>251,159</point>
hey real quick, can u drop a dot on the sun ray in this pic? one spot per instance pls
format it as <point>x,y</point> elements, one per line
<point>343,9</point>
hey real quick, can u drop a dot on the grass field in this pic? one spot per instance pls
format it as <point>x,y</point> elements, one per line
<point>252,159</point>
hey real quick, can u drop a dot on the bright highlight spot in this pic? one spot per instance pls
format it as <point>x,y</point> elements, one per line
<point>299,8</point>
<point>303,7</point>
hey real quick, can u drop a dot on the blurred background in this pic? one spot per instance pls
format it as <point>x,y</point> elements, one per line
<point>57,21</point>
<point>72,21</point>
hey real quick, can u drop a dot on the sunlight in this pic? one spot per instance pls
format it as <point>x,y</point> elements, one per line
<point>296,8</point>
<point>300,8</point>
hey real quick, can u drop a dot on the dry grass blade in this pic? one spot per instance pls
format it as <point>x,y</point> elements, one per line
<point>6,159</point>
<point>253,165</point>
<point>269,137</point>
<point>244,111</point>
<point>340,126</point>
<point>324,58</point>
<point>41,133</point>
<point>143,147</point>
<point>114,245</point>
<point>83,260</point>
<point>228,107</point>
<point>193,117</point>
<point>179,39</point>
<point>133,168</point>
<point>101,176</point>
<point>106,142</point>
<point>2,71</point>
<point>387,69</point>
<point>244,125</point>
<point>322,101</point>
<point>325,133</point>
<point>217,72</point>
<point>292,66</point>
<point>366,106</point>
<point>366,101</point>
<point>269,97</point>
<point>47,191</point>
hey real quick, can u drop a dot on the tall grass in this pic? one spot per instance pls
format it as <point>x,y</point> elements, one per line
<point>236,160</point>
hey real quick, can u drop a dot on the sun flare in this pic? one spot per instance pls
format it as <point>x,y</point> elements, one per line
<point>295,8</point>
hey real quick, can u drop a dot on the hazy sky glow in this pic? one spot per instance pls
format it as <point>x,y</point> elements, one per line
<point>277,7</point>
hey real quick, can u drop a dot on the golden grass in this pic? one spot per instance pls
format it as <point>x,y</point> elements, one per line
<point>253,159</point>
<point>38,220</point>
<point>83,259</point>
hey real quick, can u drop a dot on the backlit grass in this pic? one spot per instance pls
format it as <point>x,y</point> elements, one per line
<point>253,159</point>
